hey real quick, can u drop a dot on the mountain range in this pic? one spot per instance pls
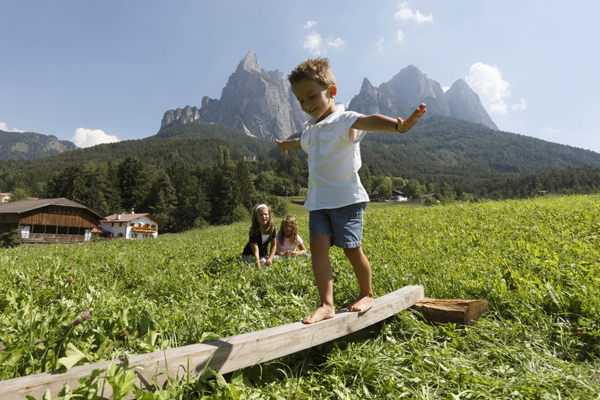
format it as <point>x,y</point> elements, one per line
<point>30,145</point>
<point>261,103</point>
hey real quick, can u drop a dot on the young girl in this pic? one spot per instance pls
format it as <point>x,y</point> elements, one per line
<point>262,233</point>
<point>288,239</point>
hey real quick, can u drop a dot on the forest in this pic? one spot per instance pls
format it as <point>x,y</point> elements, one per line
<point>197,174</point>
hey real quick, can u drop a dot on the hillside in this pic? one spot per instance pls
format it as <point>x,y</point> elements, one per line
<point>196,143</point>
<point>439,148</point>
<point>30,145</point>
<point>446,146</point>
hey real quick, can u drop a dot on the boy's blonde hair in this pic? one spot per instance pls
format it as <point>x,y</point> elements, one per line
<point>315,69</point>
<point>291,221</point>
<point>255,229</point>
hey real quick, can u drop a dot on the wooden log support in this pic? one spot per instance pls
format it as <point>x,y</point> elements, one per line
<point>223,355</point>
<point>464,312</point>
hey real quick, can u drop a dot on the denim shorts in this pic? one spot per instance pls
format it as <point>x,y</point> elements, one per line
<point>344,224</point>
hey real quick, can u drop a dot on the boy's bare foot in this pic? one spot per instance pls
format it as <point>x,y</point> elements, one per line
<point>321,313</point>
<point>362,304</point>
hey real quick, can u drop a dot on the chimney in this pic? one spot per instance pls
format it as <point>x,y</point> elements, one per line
<point>118,216</point>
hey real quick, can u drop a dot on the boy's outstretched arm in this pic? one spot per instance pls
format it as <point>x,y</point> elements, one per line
<point>290,144</point>
<point>381,123</point>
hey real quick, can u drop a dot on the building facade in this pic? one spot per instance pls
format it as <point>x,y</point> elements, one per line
<point>131,226</point>
<point>49,220</point>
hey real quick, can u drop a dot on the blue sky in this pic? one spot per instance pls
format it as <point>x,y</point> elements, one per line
<point>98,71</point>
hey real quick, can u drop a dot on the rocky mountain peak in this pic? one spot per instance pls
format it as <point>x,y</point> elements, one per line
<point>261,103</point>
<point>465,104</point>
<point>258,102</point>
<point>250,62</point>
<point>411,87</point>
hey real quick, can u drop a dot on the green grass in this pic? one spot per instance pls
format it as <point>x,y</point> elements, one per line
<point>537,263</point>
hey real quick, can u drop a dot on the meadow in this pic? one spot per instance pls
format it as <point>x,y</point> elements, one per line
<point>535,261</point>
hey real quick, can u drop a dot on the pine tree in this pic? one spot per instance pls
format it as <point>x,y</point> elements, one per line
<point>132,182</point>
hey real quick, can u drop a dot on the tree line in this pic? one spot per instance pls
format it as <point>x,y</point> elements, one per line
<point>181,196</point>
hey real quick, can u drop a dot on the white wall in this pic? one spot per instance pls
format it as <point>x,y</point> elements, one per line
<point>126,229</point>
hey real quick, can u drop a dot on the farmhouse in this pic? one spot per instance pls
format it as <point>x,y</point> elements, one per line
<point>49,220</point>
<point>131,226</point>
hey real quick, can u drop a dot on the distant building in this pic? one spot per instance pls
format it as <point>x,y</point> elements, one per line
<point>49,220</point>
<point>5,197</point>
<point>397,195</point>
<point>131,226</point>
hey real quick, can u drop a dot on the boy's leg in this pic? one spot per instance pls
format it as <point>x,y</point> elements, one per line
<point>319,246</point>
<point>362,270</point>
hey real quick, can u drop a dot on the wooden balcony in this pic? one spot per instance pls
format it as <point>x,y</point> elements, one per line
<point>143,230</point>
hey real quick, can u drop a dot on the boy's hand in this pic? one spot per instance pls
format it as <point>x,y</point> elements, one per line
<point>281,146</point>
<point>290,144</point>
<point>405,125</point>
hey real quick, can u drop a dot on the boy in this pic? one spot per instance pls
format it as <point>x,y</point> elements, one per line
<point>336,198</point>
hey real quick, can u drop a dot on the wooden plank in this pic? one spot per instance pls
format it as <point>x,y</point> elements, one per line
<point>227,354</point>
<point>464,312</point>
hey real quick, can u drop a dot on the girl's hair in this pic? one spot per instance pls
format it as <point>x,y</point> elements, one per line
<point>255,229</point>
<point>291,221</point>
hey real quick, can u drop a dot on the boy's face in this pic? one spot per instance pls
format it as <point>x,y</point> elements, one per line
<point>315,99</point>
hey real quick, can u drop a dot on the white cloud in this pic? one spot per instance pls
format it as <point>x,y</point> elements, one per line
<point>487,82</point>
<point>406,14</point>
<point>337,43</point>
<point>314,43</point>
<point>400,36</point>
<point>519,106</point>
<point>310,24</point>
<point>4,127</point>
<point>445,88</point>
<point>91,137</point>
<point>380,44</point>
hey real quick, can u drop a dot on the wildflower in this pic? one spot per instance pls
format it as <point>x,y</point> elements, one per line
<point>121,358</point>
<point>70,279</point>
<point>39,341</point>
<point>77,321</point>
<point>85,315</point>
<point>41,279</point>
<point>126,333</point>
<point>2,347</point>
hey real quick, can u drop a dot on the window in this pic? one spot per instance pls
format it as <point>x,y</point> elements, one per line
<point>153,226</point>
<point>120,235</point>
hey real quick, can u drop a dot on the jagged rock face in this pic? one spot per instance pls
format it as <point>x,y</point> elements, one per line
<point>401,95</point>
<point>465,104</point>
<point>261,103</point>
<point>180,116</point>
<point>410,87</point>
<point>255,101</point>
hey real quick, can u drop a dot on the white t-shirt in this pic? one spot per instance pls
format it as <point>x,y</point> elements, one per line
<point>333,161</point>
<point>282,248</point>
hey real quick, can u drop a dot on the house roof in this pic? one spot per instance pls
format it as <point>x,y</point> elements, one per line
<point>22,206</point>
<point>129,217</point>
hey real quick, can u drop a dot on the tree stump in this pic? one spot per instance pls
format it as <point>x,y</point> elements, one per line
<point>463,312</point>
